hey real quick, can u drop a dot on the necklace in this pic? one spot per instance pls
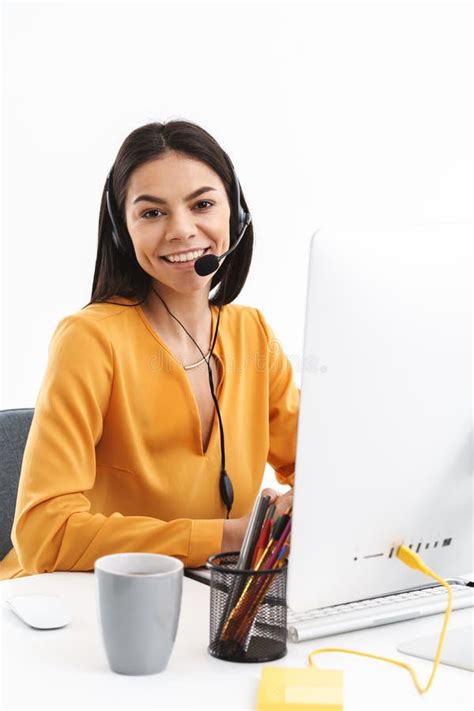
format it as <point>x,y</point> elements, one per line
<point>205,358</point>
<point>225,485</point>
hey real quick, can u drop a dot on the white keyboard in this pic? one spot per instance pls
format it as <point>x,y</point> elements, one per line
<point>326,621</point>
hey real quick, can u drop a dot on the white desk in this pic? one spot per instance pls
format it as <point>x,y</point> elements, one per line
<point>67,668</point>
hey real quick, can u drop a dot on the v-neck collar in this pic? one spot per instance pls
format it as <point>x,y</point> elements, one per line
<point>179,367</point>
<point>214,313</point>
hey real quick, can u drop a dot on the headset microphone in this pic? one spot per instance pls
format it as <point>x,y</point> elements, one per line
<point>209,263</point>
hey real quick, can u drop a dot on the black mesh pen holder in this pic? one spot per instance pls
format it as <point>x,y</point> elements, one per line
<point>247,611</point>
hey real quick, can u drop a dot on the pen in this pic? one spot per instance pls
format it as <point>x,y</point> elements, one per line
<point>264,534</point>
<point>262,541</point>
<point>270,512</point>
<point>243,629</point>
<point>253,529</point>
<point>272,559</point>
<point>277,530</point>
<point>260,509</point>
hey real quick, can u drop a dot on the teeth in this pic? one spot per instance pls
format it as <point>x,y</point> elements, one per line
<point>188,257</point>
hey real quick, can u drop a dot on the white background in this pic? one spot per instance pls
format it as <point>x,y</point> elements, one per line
<point>334,113</point>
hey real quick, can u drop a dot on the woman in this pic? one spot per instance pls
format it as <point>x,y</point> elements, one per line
<point>126,451</point>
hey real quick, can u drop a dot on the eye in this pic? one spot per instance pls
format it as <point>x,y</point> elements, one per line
<point>145,214</point>
<point>201,202</point>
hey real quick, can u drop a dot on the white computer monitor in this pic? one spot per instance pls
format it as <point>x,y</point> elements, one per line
<point>384,447</point>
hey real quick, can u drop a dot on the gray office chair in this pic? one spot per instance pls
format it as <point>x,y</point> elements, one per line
<point>14,428</point>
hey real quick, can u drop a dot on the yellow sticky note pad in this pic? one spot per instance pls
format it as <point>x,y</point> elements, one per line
<point>305,688</point>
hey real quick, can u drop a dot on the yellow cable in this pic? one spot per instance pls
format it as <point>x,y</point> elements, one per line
<point>412,559</point>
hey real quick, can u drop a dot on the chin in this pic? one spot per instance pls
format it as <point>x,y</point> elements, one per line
<point>190,284</point>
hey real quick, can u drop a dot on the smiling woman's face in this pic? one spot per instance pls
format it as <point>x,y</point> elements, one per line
<point>175,206</point>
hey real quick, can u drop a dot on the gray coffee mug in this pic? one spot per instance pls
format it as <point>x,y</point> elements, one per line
<point>139,601</point>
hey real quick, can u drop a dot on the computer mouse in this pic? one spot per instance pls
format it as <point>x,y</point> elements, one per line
<point>43,612</point>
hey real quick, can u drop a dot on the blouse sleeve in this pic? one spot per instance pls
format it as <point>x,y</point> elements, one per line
<point>53,528</point>
<point>284,399</point>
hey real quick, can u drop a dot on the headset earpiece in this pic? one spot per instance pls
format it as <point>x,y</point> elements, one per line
<point>116,234</point>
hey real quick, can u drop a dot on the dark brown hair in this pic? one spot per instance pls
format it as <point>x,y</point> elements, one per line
<point>117,274</point>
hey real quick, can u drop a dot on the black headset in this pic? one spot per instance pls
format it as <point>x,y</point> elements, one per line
<point>209,262</point>
<point>204,265</point>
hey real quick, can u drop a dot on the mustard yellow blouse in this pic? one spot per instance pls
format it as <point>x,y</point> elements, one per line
<point>114,459</point>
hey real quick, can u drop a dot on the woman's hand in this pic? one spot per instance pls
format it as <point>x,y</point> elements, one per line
<point>282,501</point>
<point>234,528</point>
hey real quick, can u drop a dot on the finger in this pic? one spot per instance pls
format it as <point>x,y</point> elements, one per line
<point>271,493</point>
<point>284,504</point>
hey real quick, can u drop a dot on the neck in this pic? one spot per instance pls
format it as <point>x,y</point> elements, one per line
<point>191,309</point>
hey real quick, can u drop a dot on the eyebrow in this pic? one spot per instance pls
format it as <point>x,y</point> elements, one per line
<point>161,201</point>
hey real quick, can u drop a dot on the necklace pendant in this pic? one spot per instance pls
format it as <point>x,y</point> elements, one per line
<point>195,365</point>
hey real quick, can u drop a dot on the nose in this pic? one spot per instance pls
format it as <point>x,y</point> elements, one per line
<point>180,225</point>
